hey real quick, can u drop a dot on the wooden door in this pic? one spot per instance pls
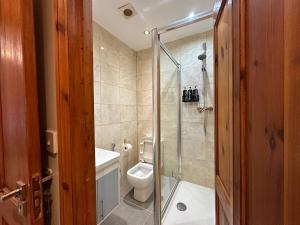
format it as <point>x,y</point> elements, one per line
<point>224,115</point>
<point>19,129</point>
<point>264,154</point>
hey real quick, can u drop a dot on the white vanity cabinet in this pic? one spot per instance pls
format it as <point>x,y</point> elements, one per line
<point>107,183</point>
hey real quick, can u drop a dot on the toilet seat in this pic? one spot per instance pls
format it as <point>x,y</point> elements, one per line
<point>141,178</point>
<point>140,175</point>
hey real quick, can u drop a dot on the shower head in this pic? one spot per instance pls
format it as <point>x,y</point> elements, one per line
<point>202,57</point>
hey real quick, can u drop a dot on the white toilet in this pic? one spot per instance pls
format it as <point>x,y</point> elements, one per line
<point>140,176</point>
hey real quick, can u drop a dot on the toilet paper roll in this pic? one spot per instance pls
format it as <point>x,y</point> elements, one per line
<point>127,147</point>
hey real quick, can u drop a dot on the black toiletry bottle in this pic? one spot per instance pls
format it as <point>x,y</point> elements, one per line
<point>185,95</point>
<point>195,95</point>
<point>190,95</point>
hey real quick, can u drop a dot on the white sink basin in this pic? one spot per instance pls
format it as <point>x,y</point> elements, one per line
<point>105,158</point>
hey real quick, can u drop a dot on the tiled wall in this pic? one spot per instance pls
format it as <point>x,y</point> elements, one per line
<point>115,95</point>
<point>197,147</point>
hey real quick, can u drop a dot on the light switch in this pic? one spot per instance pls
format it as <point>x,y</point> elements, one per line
<point>51,141</point>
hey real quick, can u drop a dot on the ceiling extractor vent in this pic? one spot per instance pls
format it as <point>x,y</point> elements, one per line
<point>127,11</point>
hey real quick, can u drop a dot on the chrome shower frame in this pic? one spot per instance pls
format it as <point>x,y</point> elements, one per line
<point>156,128</point>
<point>179,108</point>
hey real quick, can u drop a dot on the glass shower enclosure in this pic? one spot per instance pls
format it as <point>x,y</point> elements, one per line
<point>166,75</point>
<point>166,125</point>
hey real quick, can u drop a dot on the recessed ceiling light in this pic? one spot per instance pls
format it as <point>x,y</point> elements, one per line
<point>192,14</point>
<point>102,48</point>
<point>146,32</point>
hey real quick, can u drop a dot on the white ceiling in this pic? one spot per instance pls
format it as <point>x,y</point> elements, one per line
<point>150,14</point>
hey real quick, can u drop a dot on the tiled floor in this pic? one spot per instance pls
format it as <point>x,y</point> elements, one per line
<point>197,199</point>
<point>131,212</point>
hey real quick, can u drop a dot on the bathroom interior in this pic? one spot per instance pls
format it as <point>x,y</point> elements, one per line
<point>132,186</point>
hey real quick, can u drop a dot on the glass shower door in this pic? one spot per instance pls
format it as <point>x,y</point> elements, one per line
<point>170,105</point>
<point>166,125</point>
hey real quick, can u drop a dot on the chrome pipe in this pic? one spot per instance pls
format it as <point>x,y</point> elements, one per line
<point>169,54</point>
<point>179,144</point>
<point>156,126</point>
<point>186,21</point>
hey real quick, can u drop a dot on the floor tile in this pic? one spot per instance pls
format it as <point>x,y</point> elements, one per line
<point>148,205</point>
<point>127,214</point>
<point>149,220</point>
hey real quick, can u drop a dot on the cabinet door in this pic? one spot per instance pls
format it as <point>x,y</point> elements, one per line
<point>110,192</point>
<point>224,116</point>
<point>99,199</point>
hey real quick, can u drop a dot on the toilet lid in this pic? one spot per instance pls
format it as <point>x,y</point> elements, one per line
<point>146,152</point>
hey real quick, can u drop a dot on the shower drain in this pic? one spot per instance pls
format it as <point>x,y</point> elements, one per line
<point>181,206</point>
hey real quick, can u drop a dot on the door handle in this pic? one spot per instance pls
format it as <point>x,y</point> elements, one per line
<point>19,192</point>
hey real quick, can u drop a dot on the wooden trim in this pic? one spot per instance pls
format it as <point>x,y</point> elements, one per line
<point>218,16</point>
<point>217,210</point>
<point>291,112</point>
<point>76,112</point>
<point>238,109</point>
<point>2,170</point>
<point>238,38</point>
<point>222,192</point>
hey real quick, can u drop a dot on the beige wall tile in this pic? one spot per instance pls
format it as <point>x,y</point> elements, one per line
<point>147,81</point>
<point>128,83</point>
<point>110,133</point>
<point>97,70</point>
<point>109,114</point>
<point>97,113</point>
<point>109,94</point>
<point>128,113</point>
<point>109,74</point>
<point>115,65</point>
<point>146,113</point>
<point>97,92</point>
<point>168,78</point>
<point>127,97</point>
<point>146,97</point>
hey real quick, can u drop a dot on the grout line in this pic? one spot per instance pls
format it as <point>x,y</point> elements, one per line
<point>146,210</point>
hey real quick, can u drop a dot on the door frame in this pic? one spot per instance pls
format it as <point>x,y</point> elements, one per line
<point>75,112</point>
<point>75,105</point>
<point>76,119</point>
